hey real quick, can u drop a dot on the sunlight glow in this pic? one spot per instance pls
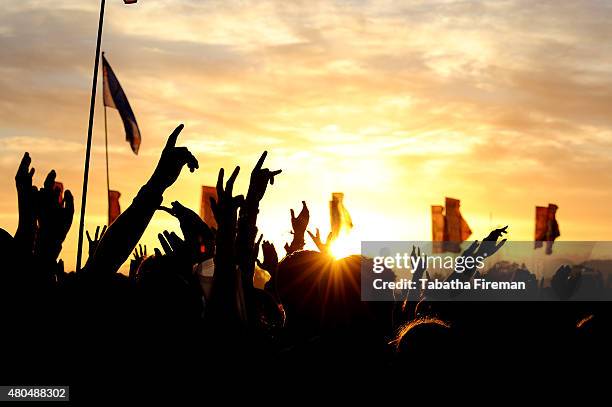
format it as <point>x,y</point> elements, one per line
<point>345,245</point>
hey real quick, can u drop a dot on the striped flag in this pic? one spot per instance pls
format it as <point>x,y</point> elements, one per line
<point>115,97</point>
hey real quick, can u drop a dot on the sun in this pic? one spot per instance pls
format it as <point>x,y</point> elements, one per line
<point>344,246</point>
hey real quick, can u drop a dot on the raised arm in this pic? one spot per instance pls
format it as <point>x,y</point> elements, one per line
<point>125,232</point>
<point>299,224</point>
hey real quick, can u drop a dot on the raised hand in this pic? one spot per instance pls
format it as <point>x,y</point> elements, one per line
<point>226,306</point>
<point>323,247</point>
<point>127,230</point>
<point>172,161</point>
<point>23,178</point>
<point>489,244</point>
<point>225,208</point>
<point>27,196</point>
<point>170,242</point>
<point>488,247</point>
<point>93,243</point>
<point>270,258</point>
<point>299,225</point>
<point>198,236</point>
<point>260,177</point>
<point>139,256</point>
<point>54,216</point>
<point>177,254</point>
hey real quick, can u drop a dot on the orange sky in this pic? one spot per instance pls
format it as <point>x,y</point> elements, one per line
<point>504,105</point>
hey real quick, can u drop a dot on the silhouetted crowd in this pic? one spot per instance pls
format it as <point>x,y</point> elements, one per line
<point>300,310</point>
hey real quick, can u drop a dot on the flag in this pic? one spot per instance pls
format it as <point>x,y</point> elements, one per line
<point>448,229</point>
<point>541,226</point>
<point>115,97</point>
<point>456,228</point>
<point>340,219</point>
<point>546,227</point>
<point>114,209</point>
<point>437,228</point>
<point>206,212</point>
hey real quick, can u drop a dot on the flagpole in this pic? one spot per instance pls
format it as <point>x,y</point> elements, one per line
<point>92,104</point>
<point>107,173</point>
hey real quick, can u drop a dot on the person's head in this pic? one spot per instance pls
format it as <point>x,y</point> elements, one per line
<point>423,338</point>
<point>7,253</point>
<point>270,315</point>
<point>298,283</point>
<point>323,293</point>
<point>6,243</point>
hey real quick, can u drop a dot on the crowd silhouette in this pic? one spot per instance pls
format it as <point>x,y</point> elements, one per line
<point>158,321</point>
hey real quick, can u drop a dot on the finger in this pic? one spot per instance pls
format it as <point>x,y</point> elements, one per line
<point>166,209</point>
<point>145,250</point>
<point>318,233</point>
<point>260,161</point>
<point>229,187</point>
<point>292,214</point>
<point>174,240</point>
<point>500,244</point>
<point>24,164</point>
<point>103,231</point>
<point>273,174</point>
<point>220,183</point>
<point>192,162</point>
<point>135,255</point>
<point>140,247</point>
<point>472,246</point>
<point>177,207</point>
<point>172,139</point>
<point>260,239</point>
<point>304,207</point>
<point>311,236</point>
<point>88,236</point>
<point>185,156</point>
<point>157,252</point>
<point>68,202</point>
<point>97,231</point>
<point>164,243</point>
<point>50,180</point>
<point>31,173</point>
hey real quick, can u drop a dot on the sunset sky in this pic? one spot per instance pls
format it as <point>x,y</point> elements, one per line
<point>502,104</point>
